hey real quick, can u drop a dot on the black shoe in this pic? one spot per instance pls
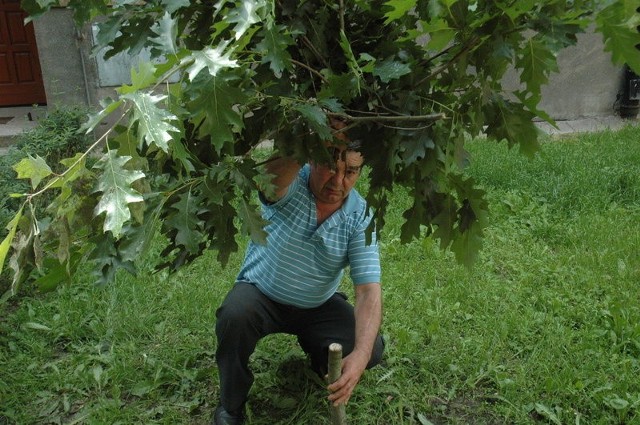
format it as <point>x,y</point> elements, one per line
<point>222,417</point>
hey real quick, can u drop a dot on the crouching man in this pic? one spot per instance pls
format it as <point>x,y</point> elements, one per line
<point>317,228</point>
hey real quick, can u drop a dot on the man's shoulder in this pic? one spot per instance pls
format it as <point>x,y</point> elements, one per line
<point>355,203</point>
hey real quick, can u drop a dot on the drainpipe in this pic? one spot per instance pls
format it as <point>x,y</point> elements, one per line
<point>87,92</point>
<point>630,101</point>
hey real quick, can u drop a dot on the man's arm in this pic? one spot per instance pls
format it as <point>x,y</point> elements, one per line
<point>368,312</point>
<point>284,171</point>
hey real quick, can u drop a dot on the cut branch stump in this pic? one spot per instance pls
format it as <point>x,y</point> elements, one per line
<point>337,414</point>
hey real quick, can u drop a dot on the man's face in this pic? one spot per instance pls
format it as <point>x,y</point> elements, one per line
<point>332,186</point>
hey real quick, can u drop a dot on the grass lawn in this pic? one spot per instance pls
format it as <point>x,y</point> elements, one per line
<point>545,329</point>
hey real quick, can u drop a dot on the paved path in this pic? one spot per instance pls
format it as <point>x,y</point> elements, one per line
<point>586,125</point>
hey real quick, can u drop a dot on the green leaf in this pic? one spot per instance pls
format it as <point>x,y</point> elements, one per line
<point>252,222</point>
<point>537,62</point>
<point>441,34</point>
<point>172,6</point>
<point>186,223</point>
<point>468,243</point>
<point>167,30</point>
<point>216,98</point>
<point>413,217</point>
<point>399,9</point>
<point>511,122</point>
<point>546,412</point>
<point>141,78</point>
<point>86,10</point>
<point>12,227</point>
<point>154,125</point>
<point>390,70</point>
<point>331,104</point>
<point>445,222</point>
<point>244,16</point>
<point>36,326</point>
<point>351,59</point>
<point>95,119</point>
<point>34,169</point>
<point>617,403</point>
<point>23,252</point>
<point>415,148</point>
<point>142,388</point>
<point>619,27</point>
<point>316,118</point>
<point>343,87</point>
<point>35,8</point>
<point>115,184</point>
<point>212,59</point>
<point>273,48</point>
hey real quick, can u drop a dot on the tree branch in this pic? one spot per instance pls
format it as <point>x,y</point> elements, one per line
<point>313,49</point>
<point>387,118</point>
<point>308,68</point>
<point>443,67</point>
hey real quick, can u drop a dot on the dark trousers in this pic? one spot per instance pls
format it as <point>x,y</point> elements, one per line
<point>247,315</point>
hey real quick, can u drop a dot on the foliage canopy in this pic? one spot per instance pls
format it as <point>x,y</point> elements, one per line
<point>414,80</point>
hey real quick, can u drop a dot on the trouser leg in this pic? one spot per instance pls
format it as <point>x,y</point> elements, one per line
<point>244,317</point>
<point>333,321</point>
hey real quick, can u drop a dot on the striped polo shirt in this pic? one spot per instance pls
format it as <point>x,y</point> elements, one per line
<point>302,263</point>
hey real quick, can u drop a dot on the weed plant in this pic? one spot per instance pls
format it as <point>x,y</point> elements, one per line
<point>545,329</point>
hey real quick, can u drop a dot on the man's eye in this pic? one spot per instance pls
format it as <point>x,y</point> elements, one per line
<point>337,154</point>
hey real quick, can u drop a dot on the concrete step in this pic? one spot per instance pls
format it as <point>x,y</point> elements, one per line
<point>15,120</point>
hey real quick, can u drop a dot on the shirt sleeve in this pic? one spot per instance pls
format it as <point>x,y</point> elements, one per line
<point>364,260</point>
<point>270,208</point>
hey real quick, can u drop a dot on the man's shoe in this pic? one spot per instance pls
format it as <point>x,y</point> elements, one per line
<point>222,417</point>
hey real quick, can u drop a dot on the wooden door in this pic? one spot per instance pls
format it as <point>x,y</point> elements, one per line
<point>20,74</point>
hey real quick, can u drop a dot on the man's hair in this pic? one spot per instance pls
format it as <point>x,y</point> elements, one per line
<point>338,125</point>
<point>354,145</point>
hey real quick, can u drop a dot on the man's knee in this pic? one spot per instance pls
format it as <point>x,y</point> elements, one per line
<point>377,352</point>
<point>238,309</point>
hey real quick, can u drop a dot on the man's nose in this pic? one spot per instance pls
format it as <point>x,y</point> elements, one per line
<point>338,173</point>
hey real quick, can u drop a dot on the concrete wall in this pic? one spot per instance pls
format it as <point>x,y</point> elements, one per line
<point>63,59</point>
<point>586,85</point>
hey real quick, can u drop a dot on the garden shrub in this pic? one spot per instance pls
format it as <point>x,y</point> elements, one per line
<point>55,137</point>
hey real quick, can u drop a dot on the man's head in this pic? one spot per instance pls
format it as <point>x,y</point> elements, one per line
<point>332,185</point>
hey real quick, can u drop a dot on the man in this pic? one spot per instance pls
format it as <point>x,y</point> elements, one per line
<point>317,228</point>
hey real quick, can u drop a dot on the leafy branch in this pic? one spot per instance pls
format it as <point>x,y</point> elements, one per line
<point>182,164</point>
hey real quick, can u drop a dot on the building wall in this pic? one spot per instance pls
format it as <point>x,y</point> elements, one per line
<point>62,54</point>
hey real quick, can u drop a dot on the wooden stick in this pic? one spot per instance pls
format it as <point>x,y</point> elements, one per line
<point>337,414</point>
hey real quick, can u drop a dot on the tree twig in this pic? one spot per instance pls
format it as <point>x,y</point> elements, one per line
<point>308,68</point>
<point>313,49</point>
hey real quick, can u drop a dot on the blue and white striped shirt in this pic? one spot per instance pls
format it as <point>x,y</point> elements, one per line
<point>302,263</point>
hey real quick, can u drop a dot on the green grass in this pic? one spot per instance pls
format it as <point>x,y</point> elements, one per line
<point>544,329</point>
